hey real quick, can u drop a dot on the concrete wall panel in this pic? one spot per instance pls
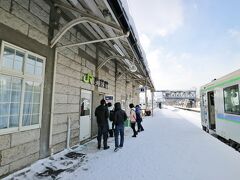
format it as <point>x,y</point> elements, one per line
<point>37,35</point>
<point>5,142</point>
<point>23,162</point>
<point>18,152</point>
<point>5,5</point>
<point>4,170</point>
<point>29,18</point>
<point>13,22</point>
<point>24,137</point>
<point>39,11</point>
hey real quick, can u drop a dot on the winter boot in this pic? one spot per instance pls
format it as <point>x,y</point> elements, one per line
<point>106,147</point>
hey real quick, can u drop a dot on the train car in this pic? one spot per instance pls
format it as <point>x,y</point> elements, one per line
<point>220,107</point>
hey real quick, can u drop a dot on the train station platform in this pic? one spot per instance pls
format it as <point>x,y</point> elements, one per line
<point>172,147</point>
<point>188,109</point>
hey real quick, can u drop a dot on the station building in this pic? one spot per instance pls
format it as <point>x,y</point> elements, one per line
<point>58,59</point>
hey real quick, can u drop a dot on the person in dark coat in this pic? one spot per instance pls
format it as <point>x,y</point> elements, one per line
<point>139,118</point>
<point>119,117</point>
<point>102,115</point>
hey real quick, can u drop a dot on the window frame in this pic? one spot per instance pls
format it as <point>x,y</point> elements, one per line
<point>24,77</point>
<point>227,112</point>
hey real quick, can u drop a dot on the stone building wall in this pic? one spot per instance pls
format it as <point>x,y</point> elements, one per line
<point>29,21</point>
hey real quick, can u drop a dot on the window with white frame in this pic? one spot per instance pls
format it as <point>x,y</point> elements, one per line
<point>21,88</point>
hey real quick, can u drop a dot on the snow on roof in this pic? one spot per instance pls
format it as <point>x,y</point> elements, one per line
<point>130,19</point>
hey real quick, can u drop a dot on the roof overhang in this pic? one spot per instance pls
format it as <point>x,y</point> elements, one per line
<point>89,16</point>
<point>122,19</point>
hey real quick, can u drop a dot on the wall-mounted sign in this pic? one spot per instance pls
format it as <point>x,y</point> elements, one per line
<point>88,78</point>
<point>108,98</point>
<point>143,89</point>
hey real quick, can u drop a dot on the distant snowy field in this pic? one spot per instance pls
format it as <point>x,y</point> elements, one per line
<point>172,147</point>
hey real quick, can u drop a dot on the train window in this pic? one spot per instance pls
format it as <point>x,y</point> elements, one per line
<point>231,100</point>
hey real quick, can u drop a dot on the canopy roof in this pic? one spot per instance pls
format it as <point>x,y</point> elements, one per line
<point>106,22</point>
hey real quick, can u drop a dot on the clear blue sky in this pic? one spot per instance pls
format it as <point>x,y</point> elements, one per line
<point>188,42</point>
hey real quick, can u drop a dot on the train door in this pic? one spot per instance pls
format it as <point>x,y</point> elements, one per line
<point>204,111</point>
<point>211,110</point>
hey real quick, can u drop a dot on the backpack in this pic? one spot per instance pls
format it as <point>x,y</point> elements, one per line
<point>112,115</point>
<point>134,117</point>
<point>138,115</point>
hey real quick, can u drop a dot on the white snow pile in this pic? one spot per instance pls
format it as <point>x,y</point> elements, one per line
<point>50,168</point>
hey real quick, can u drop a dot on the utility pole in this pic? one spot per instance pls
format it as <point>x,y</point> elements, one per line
<point>152,101</point>
<point>146,98</point>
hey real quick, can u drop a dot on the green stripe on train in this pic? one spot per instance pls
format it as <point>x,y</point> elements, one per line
<point>221,84</point>
<point>228,120</point>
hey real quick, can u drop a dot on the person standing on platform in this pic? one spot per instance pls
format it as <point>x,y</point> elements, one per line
<point>102,115</point>
<point>119,117</point>
<point>132,118</point>
<point>139,118</point>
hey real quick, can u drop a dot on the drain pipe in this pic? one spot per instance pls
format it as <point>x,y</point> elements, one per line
<point>52,111</point>
<point>69,133</point>
<point>52,102</point>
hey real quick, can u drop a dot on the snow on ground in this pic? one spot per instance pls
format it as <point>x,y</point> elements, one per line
<point>172,147</point>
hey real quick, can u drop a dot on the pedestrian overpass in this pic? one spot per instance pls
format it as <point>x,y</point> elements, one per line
<point>176,97</point>
<point>184,98</point>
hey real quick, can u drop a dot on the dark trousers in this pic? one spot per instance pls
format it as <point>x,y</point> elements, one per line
<point>119,129</point>
<point>133,128</point>
<point>102,131</point>
<point>140,127</point>
<point>110,131</point>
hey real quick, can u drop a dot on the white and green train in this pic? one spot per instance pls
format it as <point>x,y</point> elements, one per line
<point>220,107</point>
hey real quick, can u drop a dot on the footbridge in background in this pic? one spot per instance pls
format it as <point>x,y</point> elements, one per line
<point>185,98</point>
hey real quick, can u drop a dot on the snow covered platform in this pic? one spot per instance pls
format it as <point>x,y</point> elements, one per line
<point>172,147</point>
